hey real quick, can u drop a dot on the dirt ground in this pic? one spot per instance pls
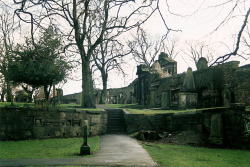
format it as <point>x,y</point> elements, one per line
<point>181,138</point>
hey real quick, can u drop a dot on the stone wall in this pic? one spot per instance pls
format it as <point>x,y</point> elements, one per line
<point>29,123</point>
<point>137,122</point>
<point>228,127</point>
<point>240,87</point>
<point>71,98</point>
<point>123,95</point>
<point>168,122</point>
<point>210,87</point>
<point>120,95</point>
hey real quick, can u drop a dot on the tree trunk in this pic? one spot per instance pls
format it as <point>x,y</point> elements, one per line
<point>46,92</point>
<point>87,99</point>
<point>9,93</point>
<point>30,93</point>
<point>3,92</point>
<point>2,97</point>
<point>104,88</point>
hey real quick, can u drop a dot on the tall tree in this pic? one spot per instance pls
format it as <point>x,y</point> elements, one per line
<point>144,48</point>
<point>222,59</point>
<point>107,57</point>
<point>39,65</point>
<point>7,28</point>
<point>196,50</point>
<point>88,20</point>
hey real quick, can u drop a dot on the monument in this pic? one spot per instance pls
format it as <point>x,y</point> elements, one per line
<point>85,148</point>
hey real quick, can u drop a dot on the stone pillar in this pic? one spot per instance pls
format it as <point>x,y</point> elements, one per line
<point>165,100</point>
<point>187,100</point>
<point>85,148</point>
<point>152,98</point>
<point>182,104</point>
<point>216,129</point>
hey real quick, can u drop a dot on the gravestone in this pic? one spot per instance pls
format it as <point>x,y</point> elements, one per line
<point>188,95</point>
<point>202,64</point>
<point>165,100</point>
<point>215,136</point>
<point>226,97</point>
<point>189,85</point>
<point>152,98</point>
<point>85,148</point>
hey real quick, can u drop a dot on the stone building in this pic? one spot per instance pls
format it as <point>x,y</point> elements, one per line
<point>161,86</point>
<point>114,96</point>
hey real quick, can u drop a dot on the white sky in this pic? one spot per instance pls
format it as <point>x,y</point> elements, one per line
<point>198,26</point>
<point>197,19</point>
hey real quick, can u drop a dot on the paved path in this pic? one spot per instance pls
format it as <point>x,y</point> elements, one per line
<point>114,150</point>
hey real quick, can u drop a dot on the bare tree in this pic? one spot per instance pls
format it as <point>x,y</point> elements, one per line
<point>107,57</point>
<point>170,46</point>
<point>144,48</point>
<point>85,23</point>
<point>229,16</point>
<point>7,28</point>
<point>199,49</point>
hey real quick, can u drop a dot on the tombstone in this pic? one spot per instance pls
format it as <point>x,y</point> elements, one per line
<point>189,85</point>
<point>182,104</point>
<point>152,98</point>
<point>85,148</point>
<point>188,95</point>
<point>165,100</point>
<point>202,64</point>
<point>156,67</point>
<point>216,131</point>
<point>226,97</point>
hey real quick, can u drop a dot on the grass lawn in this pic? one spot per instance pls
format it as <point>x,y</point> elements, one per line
<point>150,111</point>
<point>3,104</point>
<point>74,106</point>
<point>46,148</point>
<point>139,109</point>
<point>187,156</point>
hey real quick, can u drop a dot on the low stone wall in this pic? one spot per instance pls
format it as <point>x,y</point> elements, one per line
<point>163,122</point>
<point>219,126</point>
<point>137,122</point>
<point>32,123</point>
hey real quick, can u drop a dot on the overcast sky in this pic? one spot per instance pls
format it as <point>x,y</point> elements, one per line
<point>197,21</point>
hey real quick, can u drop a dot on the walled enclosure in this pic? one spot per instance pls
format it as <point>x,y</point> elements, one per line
<point>32,123</point>
<point>219,126</point>
<point>228,127</point>
<point>207,87</point>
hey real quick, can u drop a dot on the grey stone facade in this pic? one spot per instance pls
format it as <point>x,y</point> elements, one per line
<point>221,126</point>
<point>32,123</point>
<point>207,87</point>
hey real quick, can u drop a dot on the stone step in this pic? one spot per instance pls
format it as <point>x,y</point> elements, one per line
<point>116,122</point>
<point>117,126</point>
<point>116,116</point>
<point>117,130</point>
